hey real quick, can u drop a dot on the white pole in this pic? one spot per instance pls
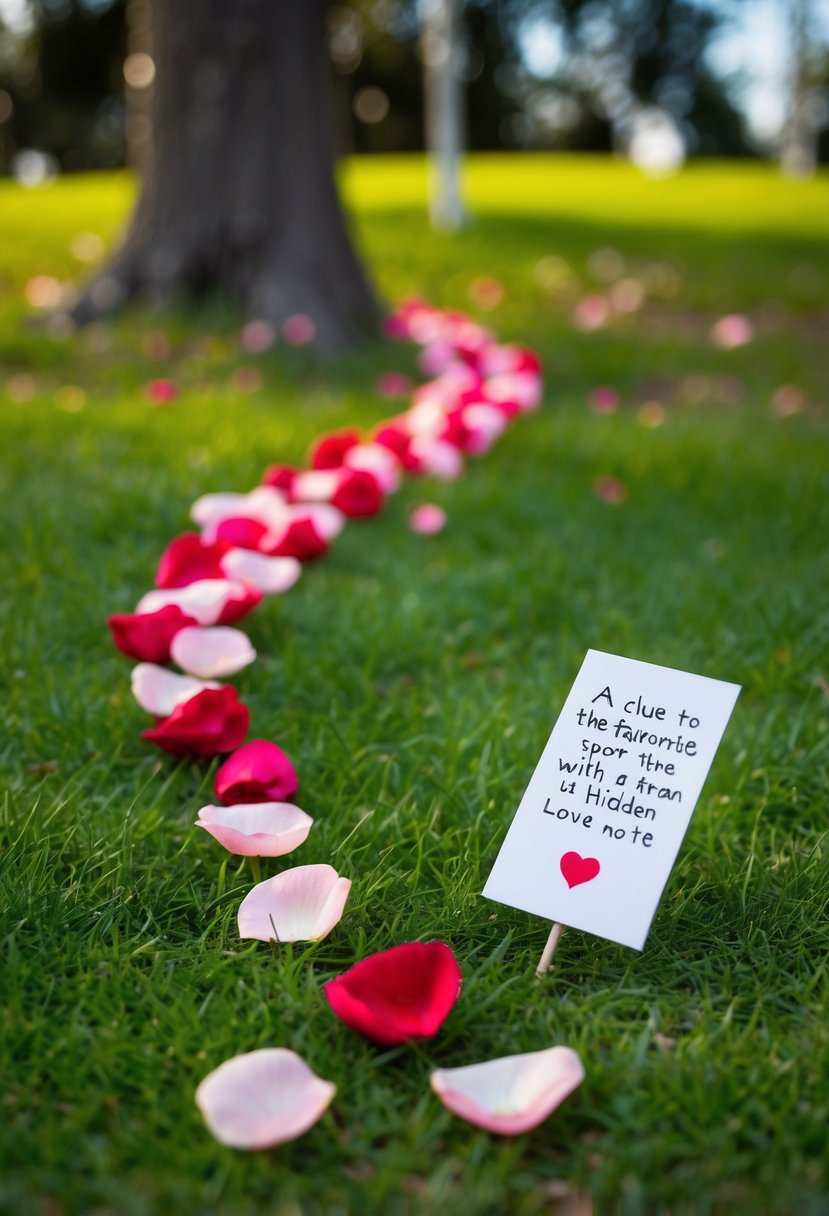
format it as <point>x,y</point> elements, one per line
<point>545,963</point>
<point>443,98</point>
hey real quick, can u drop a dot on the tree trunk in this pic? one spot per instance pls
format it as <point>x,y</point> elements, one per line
<point>238,193</point>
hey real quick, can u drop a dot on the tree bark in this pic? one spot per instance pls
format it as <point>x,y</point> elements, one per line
<point>238,193</point>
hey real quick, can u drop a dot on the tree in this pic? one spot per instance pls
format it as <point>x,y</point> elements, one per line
<point>238,190</point>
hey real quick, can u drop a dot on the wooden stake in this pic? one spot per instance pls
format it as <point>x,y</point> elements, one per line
<point>545,963</point>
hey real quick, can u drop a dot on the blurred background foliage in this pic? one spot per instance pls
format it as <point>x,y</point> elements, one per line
<point>539,74</point>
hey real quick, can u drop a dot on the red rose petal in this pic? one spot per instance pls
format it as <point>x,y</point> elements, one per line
<point>213,721</point>
<point>399,994</point>
<point>147,636</point>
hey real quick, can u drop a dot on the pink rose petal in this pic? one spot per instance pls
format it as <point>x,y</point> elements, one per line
<point>437,457</point>
<point>512,1094</point>
<point>159,691</point>
<point>205,600</point>
<point>265,504</point>
<point>485,423</point>
<point>256,337</point>
<point>299,905</point>
<point>257,829</point>
<point>298,329</point>
<point>263,1098</point>
<point>732,331</point>
<point>377,459</point>
<point>427,519</point>
<point>212,651</point>
<point>270,575</point>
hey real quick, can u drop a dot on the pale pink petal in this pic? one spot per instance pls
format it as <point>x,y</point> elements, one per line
<point>427,418</point>
<point>318,485</point>
<point>212,507</point>
<point>270,575</point>
<point>522,387</point>
<point>435,357</point>
<point>213,651</point>
<point>486,423</point>
<point>264,503</point>
<point>204,600</point>
<point>257,829</point>
<point>298,905</point>
<point>377,459</point>
<point>732,331</point>
<point>427,519</point>
<point>512,1094</point>
<point>263,1098</point>
<point>437,457</point>
<point>159,691</point>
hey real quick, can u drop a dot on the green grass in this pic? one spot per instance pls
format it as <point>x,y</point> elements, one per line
<point>414,682</point>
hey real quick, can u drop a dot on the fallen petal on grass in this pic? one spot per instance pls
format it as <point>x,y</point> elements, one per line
<point>263,1098</point>
<point>427,519</point>
<point>512,1094</point>
<point>398,995</point>
<point>148,636</point>
<point>212,652</point>
<point>211,722</point>
<point>270,575</point>
<point>258,772</point>
<point>210,601</point>
<point>159,691</point>
<point>299,905</point>
<point>257,829</point>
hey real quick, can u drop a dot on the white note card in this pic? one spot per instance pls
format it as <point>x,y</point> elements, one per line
<point>596,835</point>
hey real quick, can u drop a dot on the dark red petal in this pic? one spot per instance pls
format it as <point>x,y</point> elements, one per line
<point>211,722</point>
<point>280,476</point>
<point>301,540</point>
<point>147,636</point>
<point>240,605</point>
<point>399,994</point>
<point>240,532</point>
<point>258,772</point>
<point>358,494</point>
<point>187,558</point>
<point>328,452</point>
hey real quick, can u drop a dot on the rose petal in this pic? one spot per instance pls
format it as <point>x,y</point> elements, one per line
<point>377,459</point>
<point>211,722</point>
<point>437,457</point>
<point>328,452</point>
<point>188,560</point>
<point>398,995</point>
<point>211,651</point>
<point>427,519</point>
<point>326,520</point>
<point>210,601</point>
<point>263,1098</point>
<point>257,829</point>
<point>147,636</point>
<point>264,503</point>
<point>298,905</point>
<point>159,691</point>
<point>258,772</point>
<point>270,575</point>
<point>512,1094</point>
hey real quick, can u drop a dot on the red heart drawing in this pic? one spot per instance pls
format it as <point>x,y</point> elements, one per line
<point>577,869</point>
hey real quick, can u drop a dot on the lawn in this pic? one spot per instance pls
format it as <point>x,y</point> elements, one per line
<point>414,682</point>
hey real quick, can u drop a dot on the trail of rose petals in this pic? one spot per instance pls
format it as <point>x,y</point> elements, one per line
<point>253,545</point>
